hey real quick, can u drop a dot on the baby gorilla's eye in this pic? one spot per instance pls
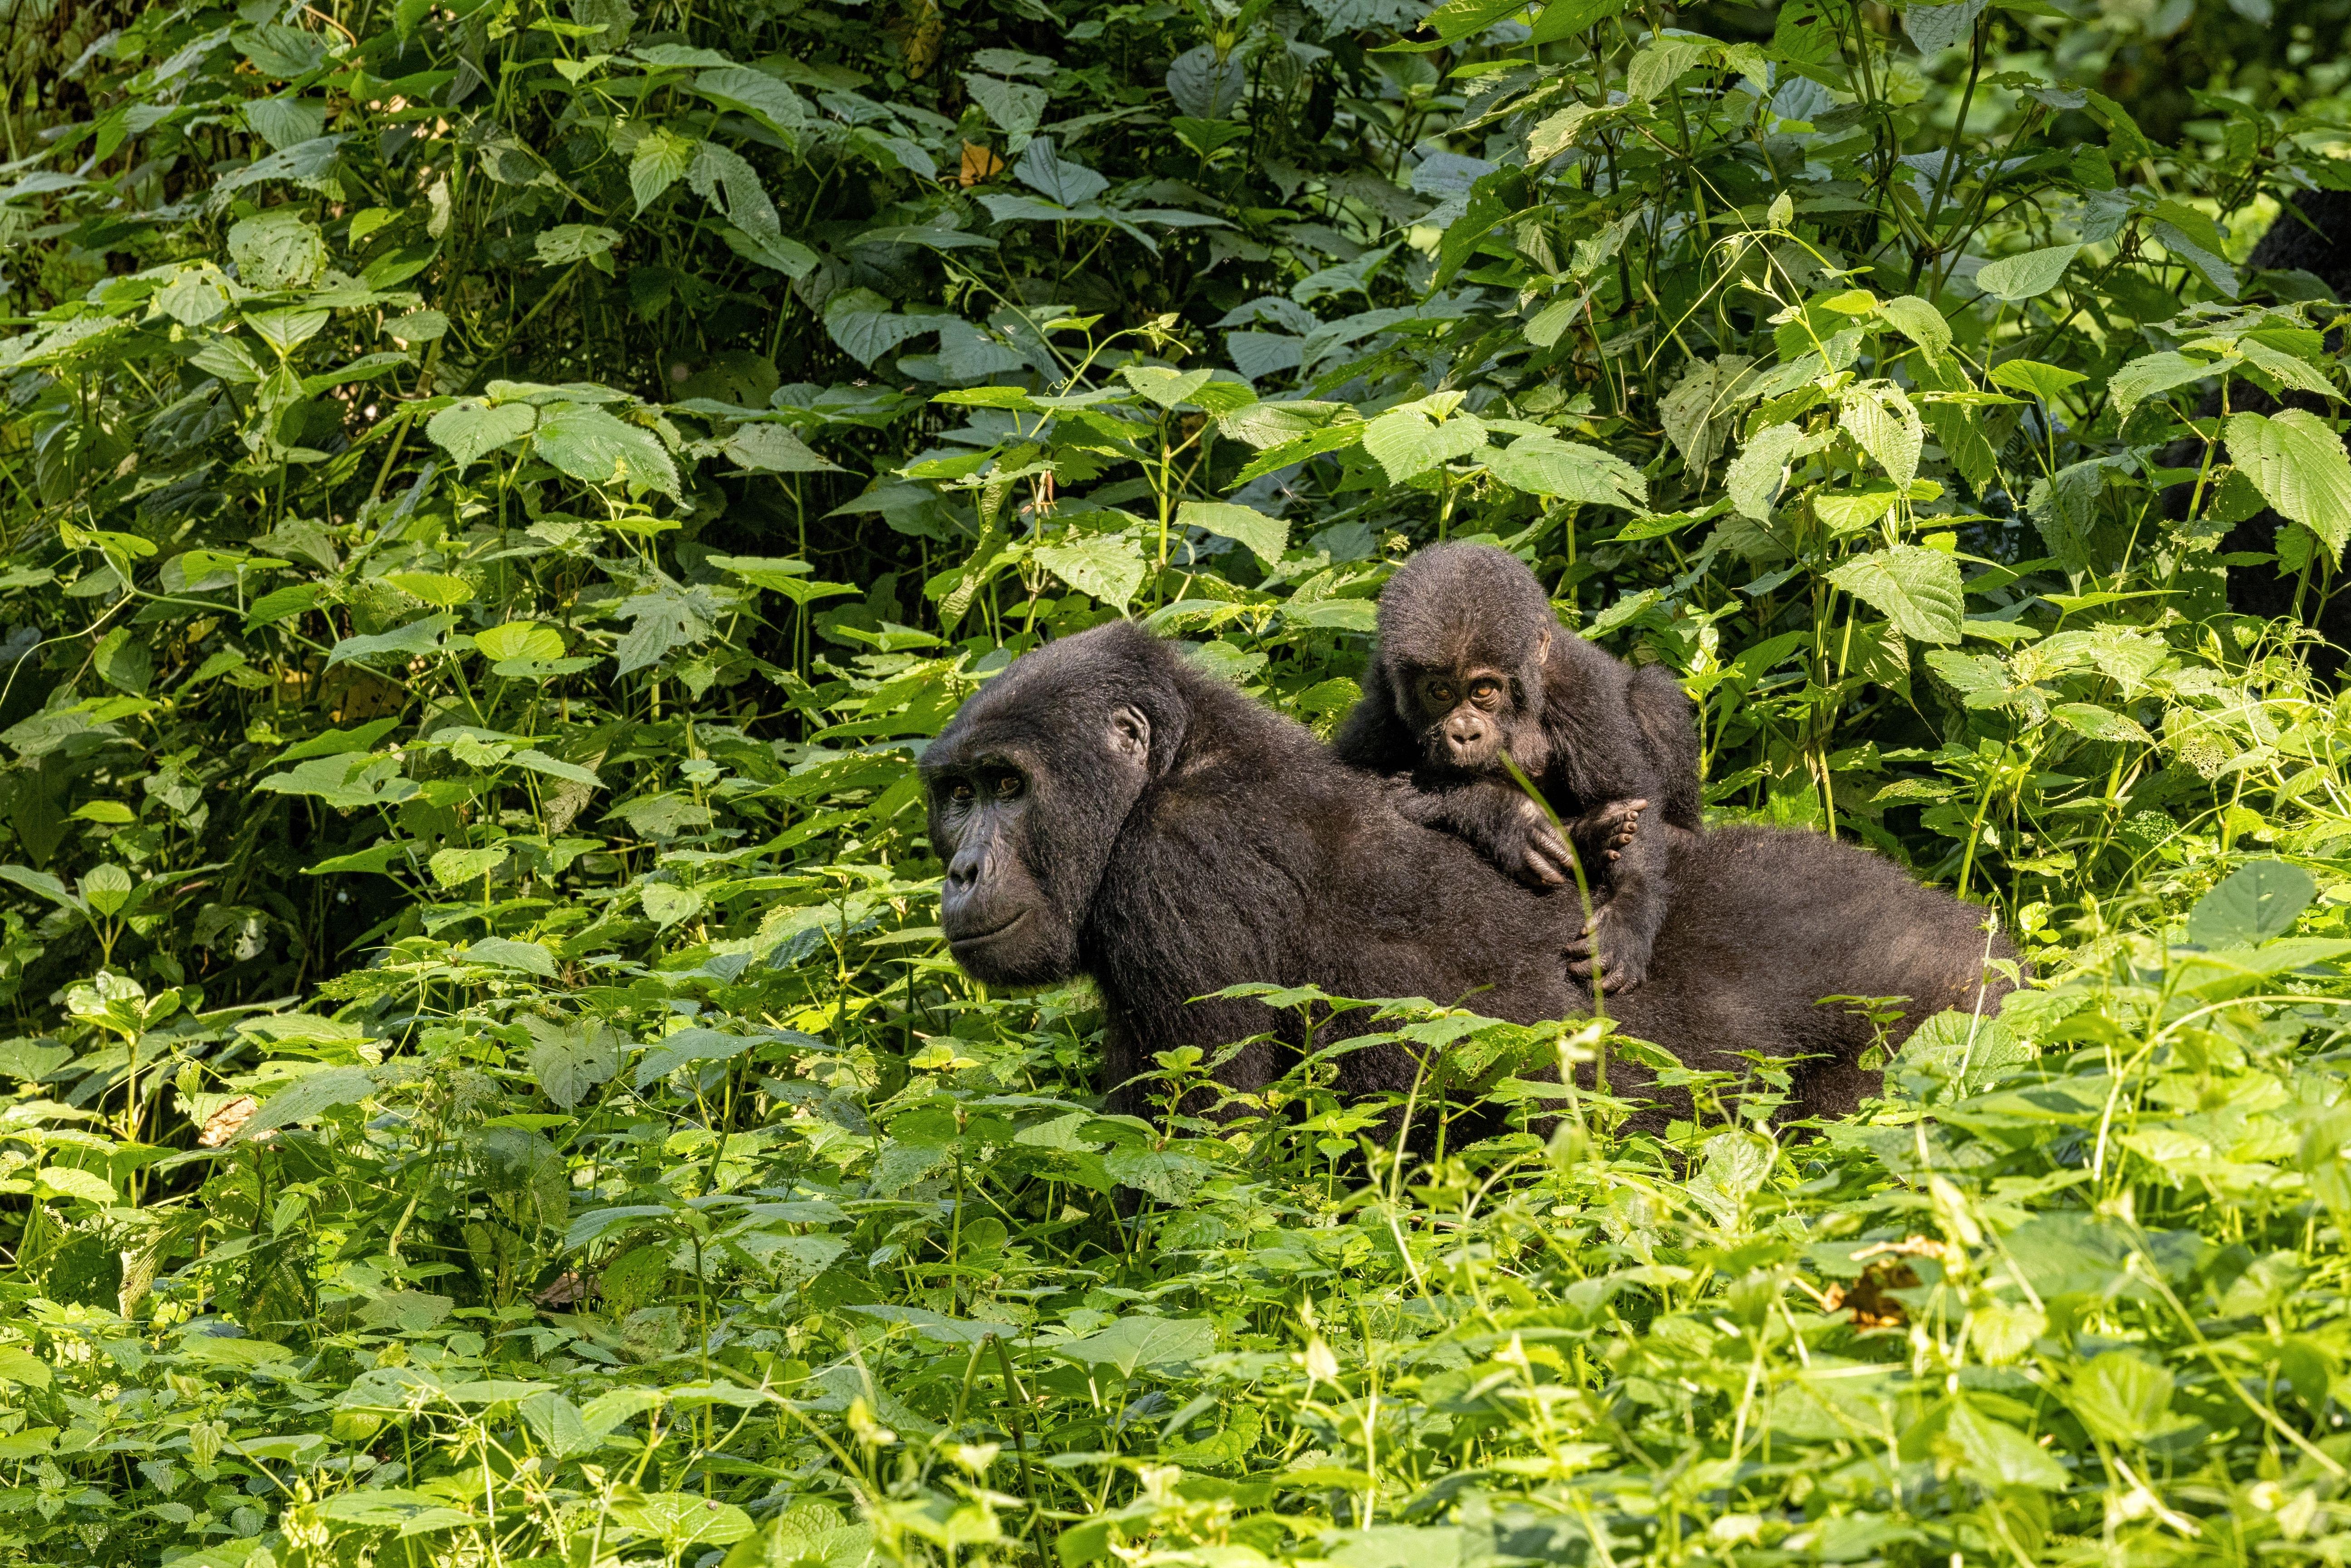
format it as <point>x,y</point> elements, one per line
<point>1439,692</point>
<point>1486,690</point>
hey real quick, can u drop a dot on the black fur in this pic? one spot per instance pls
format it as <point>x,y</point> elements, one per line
<point>1169,837</point>
<point>1593,733</point>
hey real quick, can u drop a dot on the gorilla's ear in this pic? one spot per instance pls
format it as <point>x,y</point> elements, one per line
<point>1129,733</point>
<point>1542,644</point>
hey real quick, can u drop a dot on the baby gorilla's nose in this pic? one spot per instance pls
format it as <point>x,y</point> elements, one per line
<point>1465,731</point>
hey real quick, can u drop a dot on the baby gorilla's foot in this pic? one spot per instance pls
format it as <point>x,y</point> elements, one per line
<point>1598,946</point>
<point>1601,834</point>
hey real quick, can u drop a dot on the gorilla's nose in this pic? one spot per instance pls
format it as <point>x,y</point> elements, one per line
<point>1464,730</point>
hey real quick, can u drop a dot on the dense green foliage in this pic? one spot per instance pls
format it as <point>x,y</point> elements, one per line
<point>495,496</point>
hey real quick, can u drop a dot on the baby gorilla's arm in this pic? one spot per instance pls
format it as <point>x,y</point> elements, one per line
<point>1501,822</point>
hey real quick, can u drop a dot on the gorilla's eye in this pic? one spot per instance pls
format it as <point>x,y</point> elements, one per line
<point>1486,690</point>
<point>1010,786</point>
<point>1439,692</point>
<point>960,792</point>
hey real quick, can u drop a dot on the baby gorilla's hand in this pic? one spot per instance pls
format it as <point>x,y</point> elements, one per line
<point>1528,847</point>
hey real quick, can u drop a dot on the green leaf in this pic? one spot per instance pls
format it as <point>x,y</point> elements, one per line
<point>123,662</point>
<point>1406,444</point>
<point>404,642</point>
<point>1106,566</point>
<point>457,868</point>
<point>689,1045</point>
<point>1138,1341</point>
<point>1919,321</point>
<point>1916,589</point>
<point>277,249</point>
<point>569,1060</point>
<point>860,321</point>
<point>2015,278</point>
<point>666,903</point>
<point>789,576</point>
<point>2251,904</point>
<point>520,640</point>
<point>2152,375</point>
<point>660,159</point>
<point>2035,379</point>
<point>2298,465</point>
<point>2123,1396</point>
<point>567,242</point>
<point>308,1098</point>
<point>1755,475</point>
<point>773,449</point>
<point>1995,1454</point>
<point>1882,421</point>
<point>591,445</point>
<point>538,761</point>
<point>756,93</point>
<point>469,429</point>
<point>1265,538</point>
<point>1550,465</point>
<point>23,1368</point>
<point>507,954</point>
<point>2100,723</point>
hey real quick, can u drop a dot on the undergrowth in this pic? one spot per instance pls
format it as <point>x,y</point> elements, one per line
<point>495,496</point>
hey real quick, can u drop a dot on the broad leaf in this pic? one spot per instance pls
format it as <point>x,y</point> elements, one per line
<point>2298,465</point>
<point>2251,904</point>
<point>1915,588</point>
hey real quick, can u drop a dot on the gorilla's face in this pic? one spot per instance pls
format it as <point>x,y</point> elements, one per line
<point>1465,716</point>
<point>1029,786</point>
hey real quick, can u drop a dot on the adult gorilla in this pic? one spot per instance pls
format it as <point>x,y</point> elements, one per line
<point>1105,809</point>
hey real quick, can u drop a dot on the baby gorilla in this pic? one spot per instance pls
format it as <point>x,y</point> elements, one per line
<point>1471,663</point>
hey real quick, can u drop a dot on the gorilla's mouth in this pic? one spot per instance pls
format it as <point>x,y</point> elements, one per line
<point>973,938</point>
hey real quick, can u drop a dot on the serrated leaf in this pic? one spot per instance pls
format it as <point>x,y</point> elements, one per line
<point>567,242</point>
<point>1265,538</point>
<point>2299,467</point>
<point>1916,589</point>
<point>773,449</point>
<point>520,640</point>
<point>2152,375</point>
<point>1106,566</point>
<point>1881,419</point>
<point>1755,475</point>
<point>2015,278</point>
<point>1405,442</point>
<point>2100,723</point>
<point>2123,1396</point>
<point>660,159</point>
<point>1919,321</point>
<point>1550,466</point>
<point>590,444</point>
<point>757,94</point>
<point>1138,1341</point>
<point>467,430</point>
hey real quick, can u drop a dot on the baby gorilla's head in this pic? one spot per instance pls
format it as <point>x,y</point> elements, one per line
<point>1464,632</point>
